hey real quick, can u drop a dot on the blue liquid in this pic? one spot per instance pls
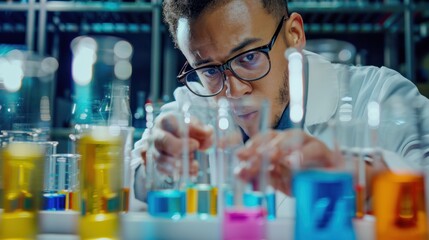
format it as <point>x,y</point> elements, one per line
<point>228,197</point>
<point>252,199</point>
<point>271,206</point>
<point>325,205</point>
<point>166,203</point>
<point>255,199</point>
<point>54,202</point>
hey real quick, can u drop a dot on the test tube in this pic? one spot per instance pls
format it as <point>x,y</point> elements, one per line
<point>324,204</point>
<point>324,199</point>
<point>62,182</point>
<point>100,182</point>
<point>127,134</point>
<point>244,204</point>
<point>399,206</point>
<point>201,193</point>
<point>166,193</point>
<point>22,171</point>
<point>403,214</point>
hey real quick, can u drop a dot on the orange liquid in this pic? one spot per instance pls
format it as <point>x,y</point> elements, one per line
<point>399,206</point>
<point>125,199</point>
<point>72,200</point>
<point>360,201</point>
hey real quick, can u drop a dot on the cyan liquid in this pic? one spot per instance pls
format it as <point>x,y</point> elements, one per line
<point>325,205</point>
<point>166,203</point>
<point>255,199</point>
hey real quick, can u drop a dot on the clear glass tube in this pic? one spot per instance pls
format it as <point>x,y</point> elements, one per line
<point>166,193</point>
<point>201,190</point>
<point>325,200</point>
<point>403,214</point>
<point>243,206</point>
<point>127,134</point>
<point>61,191</point>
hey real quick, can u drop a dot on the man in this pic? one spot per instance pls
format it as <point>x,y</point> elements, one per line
<point>239,46</point>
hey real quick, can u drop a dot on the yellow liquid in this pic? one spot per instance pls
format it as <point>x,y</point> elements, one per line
<point>101,184</point>
<point>101,173</point>
<point>18,225</point>
<point>23,182</point>
<point>191,200</point>
<point>99,226</point>
<point>213,204</point>
<point>201,199</point>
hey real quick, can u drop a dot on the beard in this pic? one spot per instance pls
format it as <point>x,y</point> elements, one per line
<point>282,98</point>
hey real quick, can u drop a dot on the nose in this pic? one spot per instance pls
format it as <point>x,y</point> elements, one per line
<point>235,87</point>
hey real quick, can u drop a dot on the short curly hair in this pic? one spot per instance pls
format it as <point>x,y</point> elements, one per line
<point>173,10</point>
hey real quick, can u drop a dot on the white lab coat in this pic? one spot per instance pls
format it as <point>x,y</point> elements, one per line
<point>325,88</point>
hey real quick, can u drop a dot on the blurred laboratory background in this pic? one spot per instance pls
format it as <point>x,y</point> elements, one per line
<point>393,33</point>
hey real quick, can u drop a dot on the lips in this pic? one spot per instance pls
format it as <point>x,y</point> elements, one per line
<point>247,115</point>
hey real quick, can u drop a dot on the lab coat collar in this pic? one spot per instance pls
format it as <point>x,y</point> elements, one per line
<point>322,91</point>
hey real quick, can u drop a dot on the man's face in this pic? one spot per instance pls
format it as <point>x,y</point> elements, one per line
<point>231,29</point>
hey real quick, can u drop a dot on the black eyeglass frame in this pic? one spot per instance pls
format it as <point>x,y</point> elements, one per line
<point>265,49</point>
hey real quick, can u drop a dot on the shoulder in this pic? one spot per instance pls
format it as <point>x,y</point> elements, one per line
<point>383,80</point>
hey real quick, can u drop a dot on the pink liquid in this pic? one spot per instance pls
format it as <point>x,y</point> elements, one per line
<point>244,223</point>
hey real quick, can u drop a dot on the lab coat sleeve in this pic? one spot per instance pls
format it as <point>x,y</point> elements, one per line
<point>404,119</point>
<point>137,190</point>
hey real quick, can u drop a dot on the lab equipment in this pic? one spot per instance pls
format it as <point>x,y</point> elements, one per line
<point>101,182</point>
<point>22,173</point>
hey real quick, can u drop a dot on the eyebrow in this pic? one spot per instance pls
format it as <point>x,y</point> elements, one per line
<point>240,46</point>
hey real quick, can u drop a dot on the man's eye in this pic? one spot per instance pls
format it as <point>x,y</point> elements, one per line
<point>249,57</point>
<point>211,72</point>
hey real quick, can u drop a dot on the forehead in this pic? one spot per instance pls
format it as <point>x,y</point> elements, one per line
<point>217,31</point>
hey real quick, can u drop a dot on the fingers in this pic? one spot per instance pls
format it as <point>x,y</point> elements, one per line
<point>194,167</point>
<point>171,145</point>
<point>168,136</point>
<point>202,133</point>
<point>170,165</point>
<point>316,154</point>
<point>249,169</point>
<point>252,146</point>
<point>230,140</point>
<point>285,150</point>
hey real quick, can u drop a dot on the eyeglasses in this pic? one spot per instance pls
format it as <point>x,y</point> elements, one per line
<point>250,65</point>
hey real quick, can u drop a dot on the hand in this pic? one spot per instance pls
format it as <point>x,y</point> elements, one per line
<point>285,150</point>
<point>168,142</point>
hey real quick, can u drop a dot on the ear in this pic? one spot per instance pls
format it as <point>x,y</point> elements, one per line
<point>295,35</point>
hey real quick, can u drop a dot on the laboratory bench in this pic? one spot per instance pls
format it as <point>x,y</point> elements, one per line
<point>62,225</point>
